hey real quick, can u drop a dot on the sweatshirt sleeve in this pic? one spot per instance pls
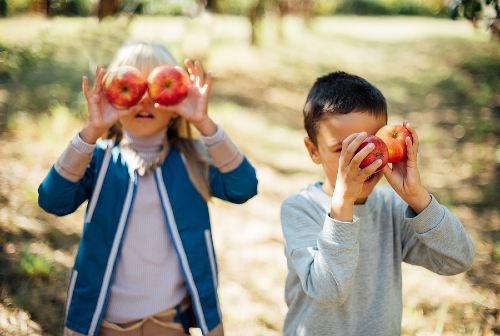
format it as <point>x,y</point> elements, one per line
<point>224,153</point>
<point>75,159</point>
<point>70,181</point>
<point>232,177</point>
<point>324,255</point>
<point>436,240</point>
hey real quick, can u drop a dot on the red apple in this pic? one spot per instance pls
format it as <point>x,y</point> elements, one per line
<point>394,137</point>
<point>379,152</point>
<point>124,86</point>
<point>168,85</point>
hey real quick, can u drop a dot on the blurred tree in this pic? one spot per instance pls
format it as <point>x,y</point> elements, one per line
<point>48,8</point>
<point>476,11</point>
<point>3,8</point>
<point>256,14</point>
<point>108,8</point>
<point>212,5</point>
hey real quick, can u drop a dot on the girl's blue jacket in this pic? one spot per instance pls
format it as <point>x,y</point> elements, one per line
<point>110,189</point>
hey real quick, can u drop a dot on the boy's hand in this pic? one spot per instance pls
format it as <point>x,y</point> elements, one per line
<point>102,115</point>
<point>351,178</point>
<point>404,176</point>
<point>194,108</point>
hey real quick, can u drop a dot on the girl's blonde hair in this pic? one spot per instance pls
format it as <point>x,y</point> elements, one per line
<point>145,57</point>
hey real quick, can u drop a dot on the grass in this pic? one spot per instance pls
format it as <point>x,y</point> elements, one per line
<point>439,74</point>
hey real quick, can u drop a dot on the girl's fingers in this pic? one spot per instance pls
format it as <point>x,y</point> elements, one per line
<point>208,84</point>
<point>85,87</point>
<point>199,71</point>
<point>98,81</point>
<point>190,67</point>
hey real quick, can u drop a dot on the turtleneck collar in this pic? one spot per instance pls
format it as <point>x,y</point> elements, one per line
<point>145,144</point>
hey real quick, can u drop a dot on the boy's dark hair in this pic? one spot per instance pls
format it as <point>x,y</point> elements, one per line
<point>341,93</point>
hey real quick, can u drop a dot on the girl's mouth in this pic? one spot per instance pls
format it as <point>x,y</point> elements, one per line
<point>144,115</point>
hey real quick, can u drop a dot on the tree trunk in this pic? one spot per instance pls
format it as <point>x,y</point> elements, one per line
<point>307,12</point>
<point>107,8</point>
<point>3,8</point>
<point>255,15</point>
<point>282,7</point>
<point>48,9</point>
<point>212,6</point>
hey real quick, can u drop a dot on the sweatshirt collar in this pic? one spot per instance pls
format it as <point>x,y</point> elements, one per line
<point>318,195</point>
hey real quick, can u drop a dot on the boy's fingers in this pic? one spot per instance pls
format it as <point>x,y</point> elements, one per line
<point>349,146</point>
<point>347,141</point>
<point>362,154</point>
<point>416,142</point>
<point>387,170</point>
<point>410,150</point>
<point>353,146</point>
<point>372,168</point>
<point>345,144</point>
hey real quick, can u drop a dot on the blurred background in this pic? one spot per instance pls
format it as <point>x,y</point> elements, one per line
<point>437,62</point>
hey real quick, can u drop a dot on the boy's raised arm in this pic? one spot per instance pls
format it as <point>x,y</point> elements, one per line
<point>436,240</point>
<point>324,258</point>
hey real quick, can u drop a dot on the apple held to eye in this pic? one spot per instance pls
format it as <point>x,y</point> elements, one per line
<point>124,86</point>
<point>394,137</point>
<point>379,152</point>
<point>168,85</point>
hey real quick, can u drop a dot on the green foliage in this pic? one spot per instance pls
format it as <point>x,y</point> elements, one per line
<point>58,7</point>
<point>35,265</point>
<point>17,6</point>
<point>169,7</point>
<point>49,70</point>
<point>16,59</point>
<point>391,7</point>
<point>70,7</point>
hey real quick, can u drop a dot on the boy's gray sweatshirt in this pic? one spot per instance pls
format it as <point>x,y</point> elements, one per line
<point>344,278</point>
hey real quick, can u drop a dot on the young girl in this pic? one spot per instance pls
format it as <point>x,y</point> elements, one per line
<point>146,264</point>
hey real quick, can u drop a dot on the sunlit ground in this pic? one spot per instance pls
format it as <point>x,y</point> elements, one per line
<point>439,74</point>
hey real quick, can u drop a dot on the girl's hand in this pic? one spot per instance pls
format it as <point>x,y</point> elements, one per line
<point>101,114</point>
<point>404,176</point>
<point>194,108</point>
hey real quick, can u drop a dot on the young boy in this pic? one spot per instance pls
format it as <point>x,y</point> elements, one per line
<point>344,238</point>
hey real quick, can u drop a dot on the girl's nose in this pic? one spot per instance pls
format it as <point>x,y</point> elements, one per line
<point>146,100</point>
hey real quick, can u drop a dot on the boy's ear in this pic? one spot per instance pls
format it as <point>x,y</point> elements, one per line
<point>313,150</point>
